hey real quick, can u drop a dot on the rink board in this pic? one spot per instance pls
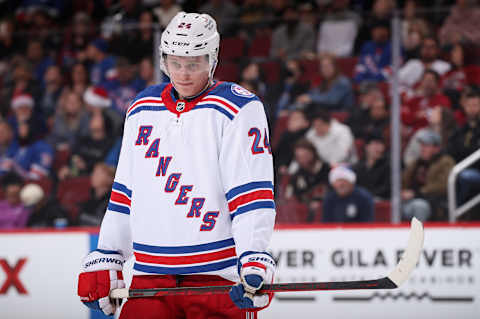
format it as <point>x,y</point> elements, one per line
<point>38,271</point>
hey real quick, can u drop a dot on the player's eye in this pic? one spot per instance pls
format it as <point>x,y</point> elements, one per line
<point>175,65</point>
<point>193,67</point>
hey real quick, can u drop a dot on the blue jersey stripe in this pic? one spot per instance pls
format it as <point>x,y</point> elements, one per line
<point>253,206</point>
<point>185,270</point>
<point>248,187</point>
<point>184,249</point>
<point>147,108</point>
<point>216,107</point>
<point>119,209</point>
<point>122,188</point>
<point>107,252</point>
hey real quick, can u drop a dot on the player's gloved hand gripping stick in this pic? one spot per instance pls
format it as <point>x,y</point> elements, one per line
<point>255,269</point>
<point>101,273</point>
<point>396,278</point>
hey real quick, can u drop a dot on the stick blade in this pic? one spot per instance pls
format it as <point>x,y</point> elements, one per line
<point>411,255</point>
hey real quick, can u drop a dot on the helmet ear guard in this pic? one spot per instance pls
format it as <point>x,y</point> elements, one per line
<point>190,34</point>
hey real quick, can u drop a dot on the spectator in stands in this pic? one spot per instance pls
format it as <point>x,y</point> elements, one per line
<point>415,110</point>
<point>252,13</point>
<point>347,202</point>
<point>284,94</point>
<point>333,141</point>
<point>310,178</point>
<point>381,10</point>
<point>103,64</point>
<point>123,88</point>
<point>373,171</point>
<point>39,14</point>
<point>120,18</point>
<point>337,32</point>
<point>166,11</point>
<point>10,43</point>
<point>45,211</point>
<point>224,12</point>
<point>297,126</point>
<point>75,43</point>
<point>461,26</point>
<point>97,102</point>
<point>8,147</point>
<point>39,60</point>
<point>146,72</point>
<point>275,12</point>
<point>414,29</point>
<point>80,81</point>
<point>425,180</point>
<point>21,82</point>
<point>252,74</point>
<point>334,93</point>
<point>22,106</point>
<point>440,120</point>
<point>70,123</point>
<point>293,38</point>
<point>53,89</point>
<point>461,75</point>
<point>466,140</point>
<point>34,157</point>
<point>412,71</point>
<point>142,43</point>
<point>367,93</point>
<point>92,211</point>
<point>376,55</point>
<point>373,116</point>
<point>90,149</point>
<point>12,213</point>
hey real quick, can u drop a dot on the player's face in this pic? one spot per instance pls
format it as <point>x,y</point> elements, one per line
<point>189,75</point>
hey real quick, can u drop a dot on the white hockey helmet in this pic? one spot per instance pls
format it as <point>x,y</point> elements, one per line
<point>190,34</point>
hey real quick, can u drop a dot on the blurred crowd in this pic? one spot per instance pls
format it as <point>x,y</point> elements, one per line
<point>69,70</point>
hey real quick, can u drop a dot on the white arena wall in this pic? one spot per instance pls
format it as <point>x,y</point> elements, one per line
<point>38,272</point>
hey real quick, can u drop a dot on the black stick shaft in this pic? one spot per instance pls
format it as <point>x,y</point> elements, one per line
<point>383,283</point>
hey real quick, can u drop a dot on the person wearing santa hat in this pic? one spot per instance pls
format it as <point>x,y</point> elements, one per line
<point>347,202</point>
<point>33,160</point>
<point>22,106</point>
<point>97,101</point>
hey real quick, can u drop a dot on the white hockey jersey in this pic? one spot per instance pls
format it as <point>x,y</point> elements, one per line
<point>194,183</point>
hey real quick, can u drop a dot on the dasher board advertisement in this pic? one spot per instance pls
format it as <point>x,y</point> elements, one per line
<point>38,273</point>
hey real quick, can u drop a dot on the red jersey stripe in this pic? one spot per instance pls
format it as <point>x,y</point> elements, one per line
<point>184,260</point>
<point>119,198</point>
<point>250,197</point>
<point>212,99</point>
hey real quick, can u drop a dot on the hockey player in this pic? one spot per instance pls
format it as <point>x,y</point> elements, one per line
<point>193,193</point>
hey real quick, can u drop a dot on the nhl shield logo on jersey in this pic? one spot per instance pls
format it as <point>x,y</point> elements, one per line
<point>240,91</point>
<point>180,106</point>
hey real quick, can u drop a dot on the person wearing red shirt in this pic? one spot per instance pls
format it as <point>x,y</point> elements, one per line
<point>415,110</point>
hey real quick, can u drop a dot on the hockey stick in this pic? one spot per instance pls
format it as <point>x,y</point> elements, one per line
<point>396,278</point>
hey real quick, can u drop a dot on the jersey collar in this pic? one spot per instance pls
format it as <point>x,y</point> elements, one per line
<point>179,106</point>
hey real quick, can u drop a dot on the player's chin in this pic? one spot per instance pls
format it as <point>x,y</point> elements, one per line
<point>185,89</point>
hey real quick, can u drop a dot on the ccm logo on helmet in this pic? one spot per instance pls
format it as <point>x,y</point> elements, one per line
<point>181,44</point>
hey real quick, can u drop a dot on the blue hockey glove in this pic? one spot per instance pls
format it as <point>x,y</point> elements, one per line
<point>254,269</point>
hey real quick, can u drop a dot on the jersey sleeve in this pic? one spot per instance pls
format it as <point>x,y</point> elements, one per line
<point>115,231</point>
<point>247,174</point>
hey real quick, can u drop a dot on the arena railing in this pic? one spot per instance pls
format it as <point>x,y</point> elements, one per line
<point>453,211</point>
